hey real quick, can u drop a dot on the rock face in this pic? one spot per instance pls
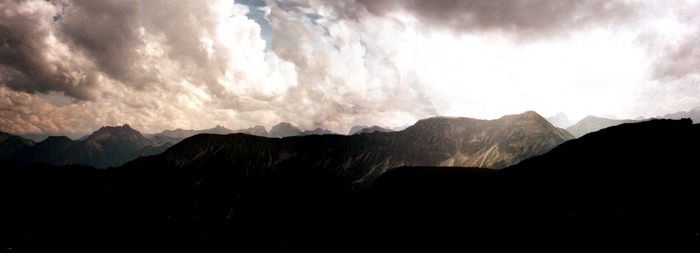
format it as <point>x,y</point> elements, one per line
<point>361,158</point>
<point>485,143</point>
<point>591,124</point>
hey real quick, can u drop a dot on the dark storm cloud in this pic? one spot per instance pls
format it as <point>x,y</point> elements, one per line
<point>27,64</point>
<point>526,18</point>
<point>105,30</point>
<point>115,29</point>
<point>71,47</point>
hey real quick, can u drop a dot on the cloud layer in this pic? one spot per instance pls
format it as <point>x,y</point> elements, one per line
<point>531,18</point>
<point>70,66</point>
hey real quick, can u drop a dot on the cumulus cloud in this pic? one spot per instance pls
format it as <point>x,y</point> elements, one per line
<point>339,77</point>
<point>163,64</point>
<point>71,66</point>
<point>33,58</point>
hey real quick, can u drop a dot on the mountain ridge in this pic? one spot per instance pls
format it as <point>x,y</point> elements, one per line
<point>434,141</point>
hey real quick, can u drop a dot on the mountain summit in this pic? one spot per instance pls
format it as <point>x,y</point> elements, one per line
<point>107,147</point>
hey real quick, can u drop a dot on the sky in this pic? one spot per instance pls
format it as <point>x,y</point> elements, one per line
<point>68,67</point>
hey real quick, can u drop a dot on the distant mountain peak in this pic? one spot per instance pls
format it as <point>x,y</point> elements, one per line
<point>592,123</point>
<point>367,129</point>
<point>106,132</point>
<point>284,129</point>
<point>317,131</point>
<point>560,120</point>
<point>257,130</point>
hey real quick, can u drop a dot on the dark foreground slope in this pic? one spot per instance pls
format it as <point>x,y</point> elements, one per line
<point>627,188</point>
<point>624,188</point>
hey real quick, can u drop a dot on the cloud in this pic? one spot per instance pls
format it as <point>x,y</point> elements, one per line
<point>340,78</point>
<point>680,57</point>
<point>32,58</point>
<point>73,66</point>
<point>23,113</point>
<point>526,19</point>
<point>160,64</point>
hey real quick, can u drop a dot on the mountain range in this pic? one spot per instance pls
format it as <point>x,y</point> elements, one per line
<point>280,130</point>
<point>629,187</point>
<point>435,141</point>
<point>361,158</point>
<point>106,147</point>
<point>592,123</point>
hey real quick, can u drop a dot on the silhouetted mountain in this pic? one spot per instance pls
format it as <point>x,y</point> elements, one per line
<point>107,147</point>
<point>284,129</point>
<point>12,146</point>
<point>177,135</point>
<point>693,114</point>
<point>630,187</point>
<point>591,124</point>
<point>626,188</point>
<point>159,138</point>
<point>356,129</point>
<point>361,158</point>
<point>256,130</point>
<point>51,150</point>
<point>152,149</point>
<point>317,131</point>
<point>371,129</point>
<point>560,120</point>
